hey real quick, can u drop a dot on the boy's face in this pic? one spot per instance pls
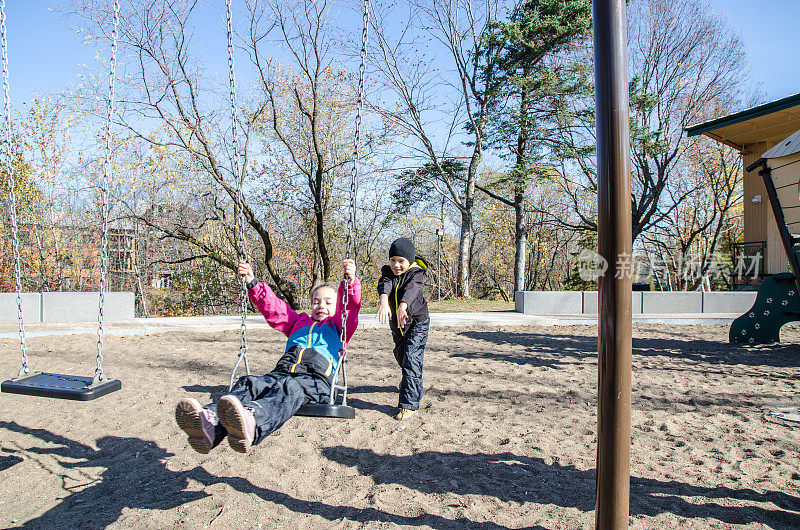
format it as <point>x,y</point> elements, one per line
<point>323,303</point>
<point>399,265</point>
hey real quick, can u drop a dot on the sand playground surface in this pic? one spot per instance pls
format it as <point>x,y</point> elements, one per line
<point>505,437</point>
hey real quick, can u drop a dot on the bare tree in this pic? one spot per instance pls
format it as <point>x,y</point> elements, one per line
<point>706,193</point>
<point>161,82</point>
<point>307,106</point>
<point>683,60</point>
<point>430,107</point>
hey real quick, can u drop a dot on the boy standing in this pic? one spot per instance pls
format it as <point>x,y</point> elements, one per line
<point>402,304</point>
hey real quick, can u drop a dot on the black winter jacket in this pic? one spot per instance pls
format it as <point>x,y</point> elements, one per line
<point>405,288</point>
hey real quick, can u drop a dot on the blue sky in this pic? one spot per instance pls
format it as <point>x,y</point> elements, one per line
<point>769,28</point>
<point>43,54</point>
<point>46,56</point>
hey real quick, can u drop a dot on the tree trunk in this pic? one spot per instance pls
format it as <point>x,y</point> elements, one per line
<point>319,222</point>
<point>521,237</point>
<point>464,245</point>
<point>520,232</point>
<point>465,242</point>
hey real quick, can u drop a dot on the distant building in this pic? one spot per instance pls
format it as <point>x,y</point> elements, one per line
<point>753,132</point>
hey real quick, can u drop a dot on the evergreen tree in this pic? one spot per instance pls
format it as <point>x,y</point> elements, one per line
<point>537,77</point>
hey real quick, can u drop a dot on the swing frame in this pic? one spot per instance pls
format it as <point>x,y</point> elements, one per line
<point>45,384</point>
<point>318,410</point>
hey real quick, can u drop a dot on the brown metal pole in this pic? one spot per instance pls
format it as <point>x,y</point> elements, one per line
<point>615,245</point>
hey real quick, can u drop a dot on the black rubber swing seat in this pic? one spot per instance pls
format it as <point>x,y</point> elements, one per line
<point>321,410</point>
<point>60,386</point>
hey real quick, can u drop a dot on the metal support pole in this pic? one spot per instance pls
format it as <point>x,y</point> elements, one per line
<point>615,245</point>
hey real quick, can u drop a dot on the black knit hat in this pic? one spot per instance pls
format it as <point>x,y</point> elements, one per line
<point>404,248</point>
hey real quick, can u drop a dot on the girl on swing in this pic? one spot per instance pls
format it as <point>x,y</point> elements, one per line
<point>258,405</point>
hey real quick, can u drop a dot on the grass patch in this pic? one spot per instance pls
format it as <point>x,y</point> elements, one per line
<point>459,305</point>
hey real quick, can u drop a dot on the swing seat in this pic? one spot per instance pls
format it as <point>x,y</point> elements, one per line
<point>60,386</point>
<point>321,410</point>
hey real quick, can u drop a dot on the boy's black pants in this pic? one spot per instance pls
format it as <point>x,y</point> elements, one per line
<point>301,376</point>
<point>409,350</point>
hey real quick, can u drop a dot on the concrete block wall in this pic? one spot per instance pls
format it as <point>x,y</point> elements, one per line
<point>642,302</point>
<point>672,302</point>
<point>590,302</point>
<point>66,307</point>
<point>31,308</point>
<point>738,302</point>
<point>548,302</point>
<point>82,307</point>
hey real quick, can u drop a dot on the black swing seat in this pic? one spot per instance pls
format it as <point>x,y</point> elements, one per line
<point>338,393</point>
<point>60,386</point>
<point>322,410</point>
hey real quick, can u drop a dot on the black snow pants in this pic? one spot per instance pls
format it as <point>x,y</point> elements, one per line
<point>409,350</point>
<point>301,376</point>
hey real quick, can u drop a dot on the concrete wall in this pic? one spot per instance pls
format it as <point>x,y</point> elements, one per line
<point>31,308</point>
<point>642,302</point>
<point>548,302</point>
<point>672,302</point>
<point>590,302</point>
<point>738,302</point>
<point>66,307</point>
<point>81,307</point>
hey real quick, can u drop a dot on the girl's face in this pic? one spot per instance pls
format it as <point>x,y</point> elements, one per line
<point>399,265</point>
<point>323,303</point>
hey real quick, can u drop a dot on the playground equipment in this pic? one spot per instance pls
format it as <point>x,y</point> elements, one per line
<point>43,384</point>
<point>339,387</point>
<point>337,406</point>
<point>778,299</point>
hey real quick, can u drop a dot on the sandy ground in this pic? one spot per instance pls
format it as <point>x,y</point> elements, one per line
<point>506,437</point>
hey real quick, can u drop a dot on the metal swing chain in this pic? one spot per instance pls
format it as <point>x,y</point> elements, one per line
<point>11,190</point>
<point>351,219</point>
<point>239,199</point>
<point>98,373</point>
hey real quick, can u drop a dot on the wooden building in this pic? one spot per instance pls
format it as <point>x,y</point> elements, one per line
<point>753,132</point>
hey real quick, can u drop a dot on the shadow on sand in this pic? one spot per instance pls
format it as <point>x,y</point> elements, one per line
<point>134,475</point>
<point>557,350</point>
<point>514,478</point>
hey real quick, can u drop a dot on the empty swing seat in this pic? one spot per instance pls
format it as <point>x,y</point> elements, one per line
<point>60,386</point>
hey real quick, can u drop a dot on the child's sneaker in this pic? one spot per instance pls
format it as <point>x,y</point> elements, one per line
<point>239,421</point>
<point>404,414</point>
<point>198,423</point>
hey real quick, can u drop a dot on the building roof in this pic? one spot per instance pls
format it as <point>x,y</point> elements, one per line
<point>787,147</point>
<point>771,121</point>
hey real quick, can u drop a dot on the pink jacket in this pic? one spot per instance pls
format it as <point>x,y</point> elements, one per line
<point>300,328</point>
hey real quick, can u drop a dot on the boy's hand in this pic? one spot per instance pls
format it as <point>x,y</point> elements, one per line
<point>349,267</point>
<point>246,271</point>
<point>384,313</point>
<point>402,315</point>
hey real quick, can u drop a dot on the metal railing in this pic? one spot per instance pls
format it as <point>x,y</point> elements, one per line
<point>749,265</point>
